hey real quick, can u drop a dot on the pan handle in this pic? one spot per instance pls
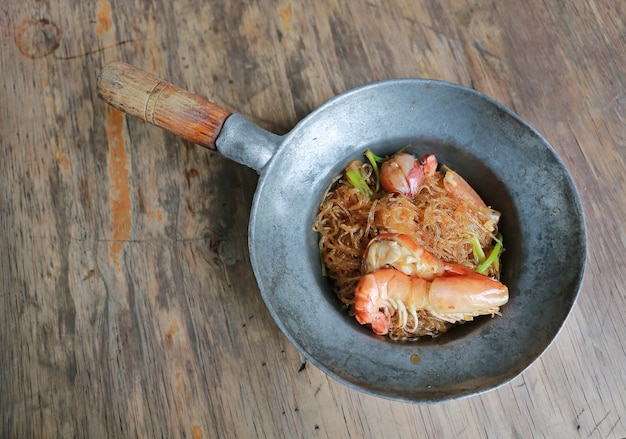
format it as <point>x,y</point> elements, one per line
<point>143,95</point>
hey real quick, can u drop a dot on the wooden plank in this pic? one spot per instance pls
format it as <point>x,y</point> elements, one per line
<point>128,306</point>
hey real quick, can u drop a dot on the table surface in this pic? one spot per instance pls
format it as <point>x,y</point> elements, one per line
<point>128,306</point>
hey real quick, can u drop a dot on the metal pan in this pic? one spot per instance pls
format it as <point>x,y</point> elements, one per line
<point>512,166</point>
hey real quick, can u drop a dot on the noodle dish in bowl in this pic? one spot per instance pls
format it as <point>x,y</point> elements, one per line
<point>409,246</point>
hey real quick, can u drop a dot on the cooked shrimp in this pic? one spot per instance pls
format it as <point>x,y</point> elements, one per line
<point>429,163</point>
<point>457,185</point>
<point>402,174</point>
<point>395,214</point>
<point>403,252</point>
<point>387,297</point>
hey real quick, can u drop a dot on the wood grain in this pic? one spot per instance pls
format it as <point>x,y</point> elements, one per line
<point>128,307</point>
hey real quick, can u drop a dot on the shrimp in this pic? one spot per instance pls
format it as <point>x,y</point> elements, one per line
<point>403,278</point>
<point>403,173</point>
<point>383,293</point>
<point>396,214</point>
<point>460,188</point>
<point>457,185</point>
<point>429,163</point>
<point>404,253</point>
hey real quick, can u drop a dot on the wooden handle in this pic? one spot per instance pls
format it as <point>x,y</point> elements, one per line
<point>160,103</point>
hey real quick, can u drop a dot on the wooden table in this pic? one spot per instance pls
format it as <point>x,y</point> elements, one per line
<point>128,307</point>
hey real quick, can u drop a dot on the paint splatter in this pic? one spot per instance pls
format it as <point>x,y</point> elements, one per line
<point>178,385</point>
<point>169,336</point>
<point>285,16</point>
<point>103,17</point>
<point>196,432</point>
<point>155,215</point>
<point>63,159</point>
<point>120,183</point>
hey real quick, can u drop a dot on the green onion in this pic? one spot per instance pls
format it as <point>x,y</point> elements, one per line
<point>320,245</point>
<point>359,183</point>
<point>374,161</point>
<point>484,266</point>
<point>401,150</point>
<point>477,249</point>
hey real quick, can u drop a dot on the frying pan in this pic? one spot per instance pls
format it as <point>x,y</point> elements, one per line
<point>511,165</point>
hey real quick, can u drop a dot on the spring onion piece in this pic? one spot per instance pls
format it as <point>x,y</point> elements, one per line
<point>401,150</point>
<point>322,263</point>
<point>493,256</point>
<point>359,183</point>
<point>374,161</point>
<point>477,249</point>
